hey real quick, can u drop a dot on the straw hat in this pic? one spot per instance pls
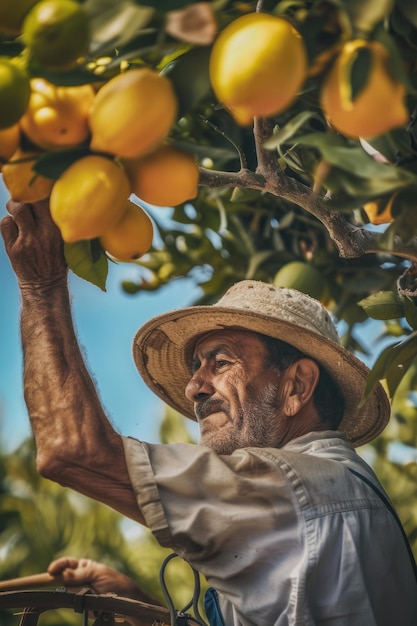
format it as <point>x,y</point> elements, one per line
<point>163,348</point>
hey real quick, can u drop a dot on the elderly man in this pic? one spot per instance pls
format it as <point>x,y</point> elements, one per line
<point>274,507</point>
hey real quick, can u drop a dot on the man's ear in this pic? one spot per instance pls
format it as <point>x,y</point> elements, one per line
<point>301,379</point>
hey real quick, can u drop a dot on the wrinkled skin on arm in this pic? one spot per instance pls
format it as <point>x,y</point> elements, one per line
<point>76,444</point>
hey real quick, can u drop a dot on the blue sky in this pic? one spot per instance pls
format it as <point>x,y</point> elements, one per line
<point>105,324</point>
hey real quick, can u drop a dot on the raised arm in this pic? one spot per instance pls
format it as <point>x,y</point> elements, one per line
<point>76,444</point>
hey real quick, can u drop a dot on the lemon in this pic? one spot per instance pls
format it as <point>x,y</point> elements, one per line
<point>12,14</point>
<point>89,197</point>
<point>57,34</point>
<point>14,92</point>
<point>302,276</point>
<point>131,237</point>
<point>21,181</point>
<point>378,107</point>
<point>57,117</point>
<point>165,177</point>
<point>380,211</point>
<point>9,143</point>
<point>132,113</point>
<point>257,66</point>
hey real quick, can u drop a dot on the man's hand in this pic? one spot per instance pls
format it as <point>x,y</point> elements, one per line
<point>34,245</point>
<point>78,573</point>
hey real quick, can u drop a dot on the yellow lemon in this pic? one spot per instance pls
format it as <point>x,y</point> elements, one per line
<point>377,108</point>
<point>12,14</point>
<point>302,276</point>
<point>9,143</point>
<point>132,113</point>
<point>257,66</point>
<point>14,92</point>
<point>57,34</point>
<point>131,237</point>
<point>89,197</point>
<point>57,117</point>
<point>22,182</point>
<point>165,177</point>
<point>380,211</point>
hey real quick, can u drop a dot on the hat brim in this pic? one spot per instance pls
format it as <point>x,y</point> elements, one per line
<point>162,351</point>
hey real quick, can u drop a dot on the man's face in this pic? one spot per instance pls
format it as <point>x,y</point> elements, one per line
<point>236,396</point>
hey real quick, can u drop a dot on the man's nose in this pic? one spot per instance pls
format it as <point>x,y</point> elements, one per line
<point>198,387</point>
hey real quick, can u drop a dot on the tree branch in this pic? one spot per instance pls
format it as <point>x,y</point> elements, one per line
<point>268,164</point>
<point>351,241</point>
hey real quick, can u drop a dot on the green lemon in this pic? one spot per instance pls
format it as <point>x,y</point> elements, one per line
<point>57,34</point>
<point>301,276</point>
<point>14,93</point>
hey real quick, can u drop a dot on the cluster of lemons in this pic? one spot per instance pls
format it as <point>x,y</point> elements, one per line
<point>124,122</point>
<point>276,66</point>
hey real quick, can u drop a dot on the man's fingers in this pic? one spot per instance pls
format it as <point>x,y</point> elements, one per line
<point>61,564</point>
<point>9,230</point>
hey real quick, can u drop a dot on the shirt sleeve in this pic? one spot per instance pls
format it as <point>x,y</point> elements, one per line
<point>215,511</point>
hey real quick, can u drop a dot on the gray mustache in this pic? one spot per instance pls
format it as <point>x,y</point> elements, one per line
<point>206,406</point>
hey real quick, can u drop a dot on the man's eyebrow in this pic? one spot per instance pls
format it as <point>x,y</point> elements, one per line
<point>212,352</point>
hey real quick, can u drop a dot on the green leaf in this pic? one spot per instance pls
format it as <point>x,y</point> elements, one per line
<point>115,24</point>
<point>392,365</point>
<point>384,305</point>
<point>402,356</point>
<point>341,153</point>
<point>52,164</point>
<point>166,5</point>
<point>190,76</point>
<point>360,71</point>
<point>378,371</point>
<point>71,78</point>
<point>290,129</point>
<point>397,141</point>
<point>243,194</point>
<point>88,261</point>
<point>366,14</point>
<point>410,310</point>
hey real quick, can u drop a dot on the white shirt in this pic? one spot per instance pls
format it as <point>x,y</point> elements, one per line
<point>286,536</point>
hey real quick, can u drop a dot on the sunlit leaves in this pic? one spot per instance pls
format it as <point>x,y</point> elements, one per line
<point>384,305</point>
<point>88,261</point>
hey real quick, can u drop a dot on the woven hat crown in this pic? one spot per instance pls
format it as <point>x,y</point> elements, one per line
<point>287,305</point>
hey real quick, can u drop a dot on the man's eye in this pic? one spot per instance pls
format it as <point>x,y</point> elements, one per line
<point>221,363</point>
<point>195,365</point>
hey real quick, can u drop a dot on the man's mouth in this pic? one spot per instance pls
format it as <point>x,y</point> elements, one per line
<point>206,407</point>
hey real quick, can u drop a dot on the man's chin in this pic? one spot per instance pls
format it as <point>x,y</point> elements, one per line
<point>215,435</point>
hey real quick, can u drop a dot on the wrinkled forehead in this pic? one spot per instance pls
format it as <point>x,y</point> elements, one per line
<point>229,336</point>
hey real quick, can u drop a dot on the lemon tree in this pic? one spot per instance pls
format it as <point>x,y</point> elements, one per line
<point>298,122</point>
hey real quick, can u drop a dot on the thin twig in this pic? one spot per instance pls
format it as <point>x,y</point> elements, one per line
<point>242,155</point>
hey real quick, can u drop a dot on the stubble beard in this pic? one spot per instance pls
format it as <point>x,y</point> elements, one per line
<point>255,426</point>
